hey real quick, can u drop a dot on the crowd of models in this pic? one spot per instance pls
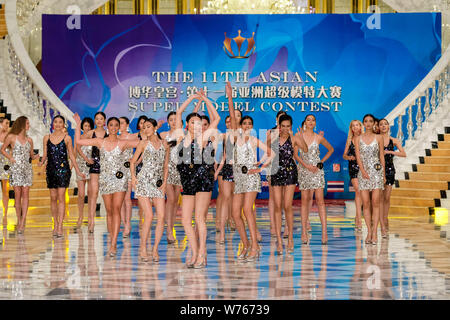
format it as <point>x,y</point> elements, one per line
<point>159,167</point>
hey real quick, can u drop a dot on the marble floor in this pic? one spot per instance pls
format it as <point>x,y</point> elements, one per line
<point>413,263</point>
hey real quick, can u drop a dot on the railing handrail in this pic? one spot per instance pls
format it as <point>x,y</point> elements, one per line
<point>27,64</point>
<point>418,91</point>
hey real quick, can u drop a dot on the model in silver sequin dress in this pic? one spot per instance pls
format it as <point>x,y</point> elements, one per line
<point>370,154</point>
<point>21,174</point>
<point>126,157</point>
<point>4,174</point>
<point>87,150</point>
<point>173,177</point>
<point>112,176</point>
<point>152,171</point>
<point>308,180</point>
<point>245,158</point>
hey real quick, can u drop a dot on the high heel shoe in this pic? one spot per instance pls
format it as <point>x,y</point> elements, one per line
<point>201,264</point>
<point>112,252</point>
<point>368,240</point>
<point>143,258</point>
<point>305,241</point>
<point>232,226</point>
<point>252,257</point>
<point>279,249</point>
<point>155,257</point>
<point>243,254</point>
<point>290,249</point>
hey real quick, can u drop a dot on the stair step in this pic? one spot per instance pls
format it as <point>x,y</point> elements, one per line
<point>420,193</point>
<point>424,184</point>
<point>443,144</point>
<point>444,137</point>
<point>435,160</point>
<point>441,152</point>
<point>431,167</point>
<point>431,176</point>
<point>414,202</point>
<point>409,210</point>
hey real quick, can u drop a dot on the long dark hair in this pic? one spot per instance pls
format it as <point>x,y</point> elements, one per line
<point>139,120</point>
<point>154,124</point>
<point>88,120</point>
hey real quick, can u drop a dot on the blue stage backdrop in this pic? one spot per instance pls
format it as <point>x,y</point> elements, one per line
<point>337,67</point>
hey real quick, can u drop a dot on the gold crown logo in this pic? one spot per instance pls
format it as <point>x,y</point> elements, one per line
<point>239,40</point>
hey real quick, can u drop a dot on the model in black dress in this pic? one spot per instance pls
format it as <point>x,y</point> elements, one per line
<point>94,170</point>
<point>354,132</point>
<point>58,171</point>
<point>285,179</point>
<point>389,153</point>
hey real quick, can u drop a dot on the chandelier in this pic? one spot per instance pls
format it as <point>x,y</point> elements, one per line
<point>251,7</point>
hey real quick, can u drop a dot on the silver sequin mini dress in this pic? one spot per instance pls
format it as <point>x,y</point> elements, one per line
<point>152,171</point>
<point>126,157</point>
<point>244,160</point>
<point>21,174</point>
<point>308,180</point>
<point>112,176</point>
<point>173,176</point>
<point>4,174</point>
<point>370,158</point>
<point>82,165</point>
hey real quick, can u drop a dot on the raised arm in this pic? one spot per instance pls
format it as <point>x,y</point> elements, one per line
<point>83,141</point>
<point>179,113</point>
<point>213,114</point>
<point>229,92</point>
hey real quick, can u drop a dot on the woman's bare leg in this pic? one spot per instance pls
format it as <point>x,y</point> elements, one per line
<point>145,231</point>
<point>322,213</point>
<point>186,219</point>
<point>159,230</point>
<point>305,194</point>
<point>288,192</point>
<point>358,203</point>
<point>238,202</point>
<point>5,199</point>
<point>277,198</point>
<point>227,200</point>
<point>61,193</point>
<point>81,184</point>
<point>202,201</point>
<point>92,199</point>
<point>365,196</point>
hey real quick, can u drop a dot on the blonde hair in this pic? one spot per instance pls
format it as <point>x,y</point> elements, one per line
<point>350,131</point>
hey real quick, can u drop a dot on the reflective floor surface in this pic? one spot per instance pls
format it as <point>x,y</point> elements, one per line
<point>413,263</point>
